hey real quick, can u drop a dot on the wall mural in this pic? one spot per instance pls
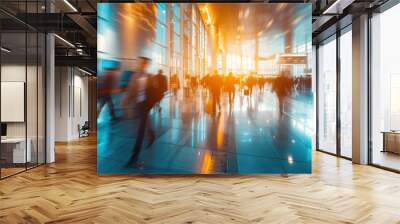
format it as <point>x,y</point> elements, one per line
<point>204,88</point>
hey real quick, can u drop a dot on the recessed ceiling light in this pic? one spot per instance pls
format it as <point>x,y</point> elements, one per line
<point>337,7</point>
<point>5,50</point>
<point>64,40</point>
<point>84,71</point>
<point>70,5</point>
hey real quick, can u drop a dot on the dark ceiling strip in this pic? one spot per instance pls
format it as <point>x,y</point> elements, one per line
<point>16,19</point>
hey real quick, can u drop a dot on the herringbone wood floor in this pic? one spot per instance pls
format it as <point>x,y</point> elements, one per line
<point>70,191</point>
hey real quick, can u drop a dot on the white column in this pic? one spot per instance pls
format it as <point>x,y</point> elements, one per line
<point>50,91</point>
<point>50,99</point>
<point>314,90</point>
<point>360,90</point>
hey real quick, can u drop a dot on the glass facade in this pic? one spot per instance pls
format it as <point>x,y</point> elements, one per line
<point>188,40</point>
<point>335,95</point>
<point>385,89</point>
<point>22,87</point>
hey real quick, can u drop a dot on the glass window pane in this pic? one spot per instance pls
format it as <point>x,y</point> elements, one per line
<point>194,15</point>
<point>176,10</point>
<point>159,55</point>
<point>346,94</point>
<point>161,36</point>
<point>31,98</point>
<point>327,97</point>
<point>22,91</point>
<point>162,13</point>
<point>177,47</point>
<point>177,25</point>
<point>14,153</point>
<point>194,35</point>
<point>41,99</point>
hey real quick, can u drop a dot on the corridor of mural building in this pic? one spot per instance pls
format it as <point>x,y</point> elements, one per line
<point>204,88</point>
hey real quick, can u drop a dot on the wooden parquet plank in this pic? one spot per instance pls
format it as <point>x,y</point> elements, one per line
<point>70,191</point>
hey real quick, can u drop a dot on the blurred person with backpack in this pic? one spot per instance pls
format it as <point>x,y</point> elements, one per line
<point>215,85</point>
<point>282,86</point>
<point>160,86</point>
<point>140,92</point>
<point>174,84</point>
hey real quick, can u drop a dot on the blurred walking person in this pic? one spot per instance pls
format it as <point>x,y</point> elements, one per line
<point>105,89</point>
<point>250,82</point>
<point>230,88</point>
<point>139,94</point>
<point>205,82</point>
<point>261,83</point>
<point>160,86</point>
<point>194,84</point>
<point>282,87</point>
<point>215,89</point>
<point>174,84</point>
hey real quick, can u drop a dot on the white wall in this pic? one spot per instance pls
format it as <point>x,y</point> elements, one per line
<point>12,73</point>
<point>79,115</point>
<point>16,73</point>
<point>71,102</point>
<point>61,103</point>
<point>33,127</point>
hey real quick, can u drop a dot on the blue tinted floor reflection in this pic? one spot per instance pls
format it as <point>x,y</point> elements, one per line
<point>248,137</point>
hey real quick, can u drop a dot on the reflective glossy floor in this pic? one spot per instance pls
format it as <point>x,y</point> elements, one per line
<point>248,137</point>
<point>386,159</point>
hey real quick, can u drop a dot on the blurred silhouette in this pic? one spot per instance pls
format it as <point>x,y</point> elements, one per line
<point>215,89</point>
<point>302,83</point>
<point>250,83</point>
<point>105,89</point>
<point>161,86</point>
<point>186,84</point>
<point>242,86</point>
<point>139,93</point>
<point>205,82</point>
<point>193,84</point>
<point>174,84</point>
<point>282,86</point>
<point>261,83</point>
<point>230,88</point>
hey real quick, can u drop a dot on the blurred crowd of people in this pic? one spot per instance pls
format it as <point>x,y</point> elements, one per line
<point>142,92</point>
<point>217,84</point>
